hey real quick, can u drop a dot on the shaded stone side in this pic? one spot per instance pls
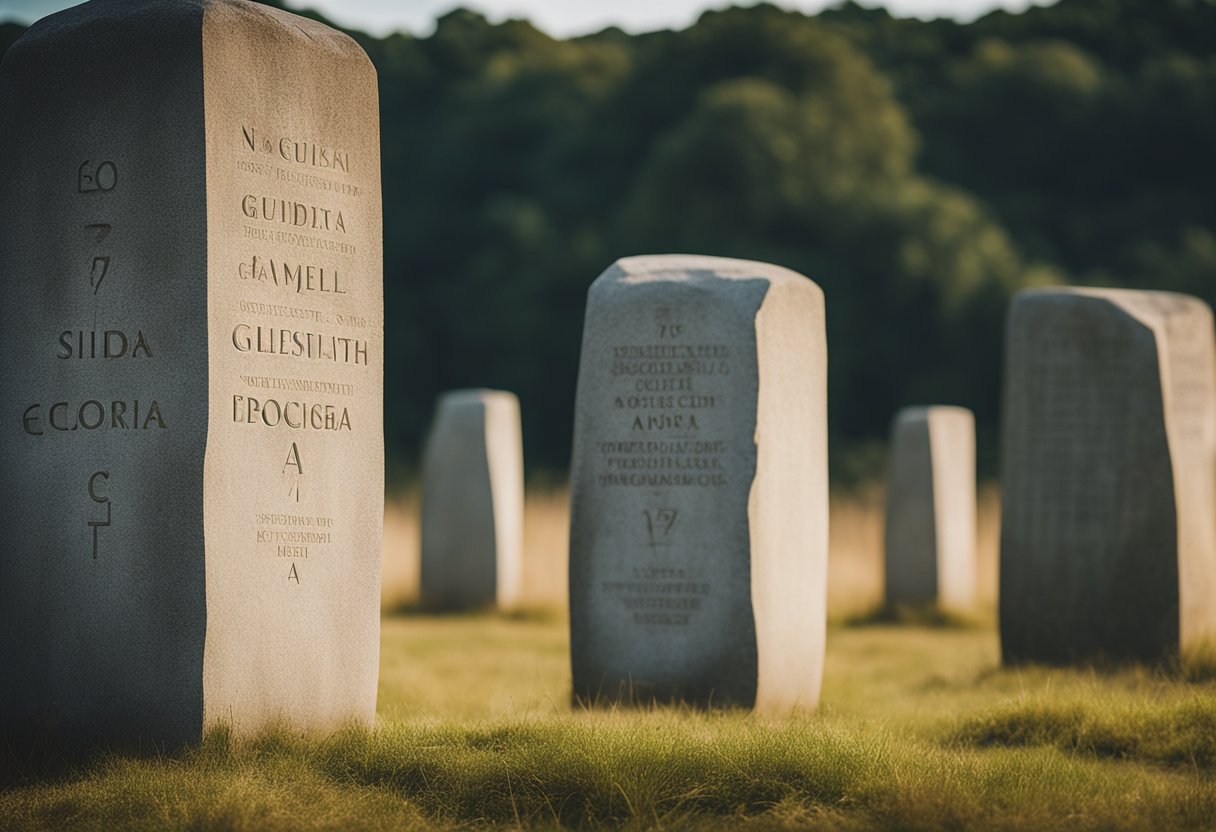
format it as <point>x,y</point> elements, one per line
<point>103,361</point>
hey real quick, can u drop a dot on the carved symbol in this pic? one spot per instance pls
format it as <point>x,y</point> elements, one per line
<point>103,229</point>
<point>102,178</point>
<point>96,525</point>
<point>293,575</point>
<point>97,275</point>
<point>659,524</point>
<point>293,461</point>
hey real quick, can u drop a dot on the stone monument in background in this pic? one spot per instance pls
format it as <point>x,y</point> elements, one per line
<point>699,490</point>
<point>1108,534</point>
<point>191,328</point>
<point>930,529</point>
<point>473,503</point>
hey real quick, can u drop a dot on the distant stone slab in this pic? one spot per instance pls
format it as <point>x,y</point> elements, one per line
<point>192,341</point>
<point>930,529</point>
<point>698,541</point>
<point>473,503</point>
<point>1108,536</point>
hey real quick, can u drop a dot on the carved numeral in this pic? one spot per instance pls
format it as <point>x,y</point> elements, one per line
<point>90,179</point>
<point>659,524</point>
<point>101,265</point>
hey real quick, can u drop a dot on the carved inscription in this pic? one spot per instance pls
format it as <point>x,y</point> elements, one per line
<point>665,389</point>
<point>297,205</point>
<point>660,596</point>
<point>665,394</point>
<point>96,182</point>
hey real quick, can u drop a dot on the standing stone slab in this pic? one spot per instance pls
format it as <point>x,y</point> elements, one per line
<point>1108,543</point>
<point>473,503</point>
<point>191,439</point>
<point>698,541</point>
<point>930,531</point>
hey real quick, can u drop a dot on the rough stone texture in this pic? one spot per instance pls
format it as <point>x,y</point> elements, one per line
<point>930,531</point>
<point>192,525</point>
<point>473,502</point>
<point>1108,544</point>
<point>699,527</point>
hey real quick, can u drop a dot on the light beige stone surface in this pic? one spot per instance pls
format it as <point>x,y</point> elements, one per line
<point>699,528</point>
<point>930,528</point>
<point>473,502</point>
<point>203,176</point>
<point>1108,536</point>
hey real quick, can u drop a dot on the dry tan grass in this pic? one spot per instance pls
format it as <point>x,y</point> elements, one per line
<point>855,582</point>
<point>546,531</point>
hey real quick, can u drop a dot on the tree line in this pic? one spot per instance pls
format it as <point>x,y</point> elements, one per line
<point>920,172</point>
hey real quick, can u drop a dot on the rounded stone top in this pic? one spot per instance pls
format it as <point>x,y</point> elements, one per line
<point>681,267</point>
<point>1148,306</point>
<point>281,27</point>
<point>476,396</point>
<point>924,412</point>
<point>151,19</point>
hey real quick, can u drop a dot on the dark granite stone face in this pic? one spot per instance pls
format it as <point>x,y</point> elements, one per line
<point>1107,482</point>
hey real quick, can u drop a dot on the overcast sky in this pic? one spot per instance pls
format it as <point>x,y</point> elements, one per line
<point>558,17</point>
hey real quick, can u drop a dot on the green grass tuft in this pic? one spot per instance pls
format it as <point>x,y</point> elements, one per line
<point>1175,734</point>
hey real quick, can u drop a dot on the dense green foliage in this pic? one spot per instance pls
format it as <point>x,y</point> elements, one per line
<point>920,172</point>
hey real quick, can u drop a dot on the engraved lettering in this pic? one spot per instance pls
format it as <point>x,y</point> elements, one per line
<point>97,525</point>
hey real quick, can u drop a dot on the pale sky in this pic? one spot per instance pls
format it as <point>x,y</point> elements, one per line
<point>559,17</point>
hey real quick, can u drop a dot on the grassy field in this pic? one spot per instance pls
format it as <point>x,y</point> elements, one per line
<point>919,729</point>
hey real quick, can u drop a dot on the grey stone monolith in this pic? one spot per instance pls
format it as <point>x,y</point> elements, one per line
<point>699,526</point>
<point>473,503</point>
<point>1108,536</point>
<point>191,333</point>
<point>930,518</point>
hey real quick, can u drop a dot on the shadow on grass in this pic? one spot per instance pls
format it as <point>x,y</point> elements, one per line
<point>918,615</point>
<point>527,614</point>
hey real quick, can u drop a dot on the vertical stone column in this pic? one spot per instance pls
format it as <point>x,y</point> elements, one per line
<point>930,529</point>
<point>473,503</point>
<point>698,543</point>
<point>191,440</point>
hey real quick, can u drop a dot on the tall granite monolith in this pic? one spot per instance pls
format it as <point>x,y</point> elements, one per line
<point>1108,534</point>
<point>473,503</point>
<point>699,527</point>
<point>191,340</point>
<point>930,528</point>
